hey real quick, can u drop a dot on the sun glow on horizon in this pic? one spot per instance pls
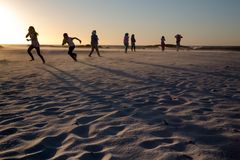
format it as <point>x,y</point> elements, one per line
<point>11,28</point>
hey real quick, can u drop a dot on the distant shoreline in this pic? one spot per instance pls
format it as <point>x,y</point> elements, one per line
<point>157,46</point>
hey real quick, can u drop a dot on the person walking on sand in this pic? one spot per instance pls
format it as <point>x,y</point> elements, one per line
<point>178,41</point>
<point>94,43</point>
<point>133,43</point>
<point>69,41</point>
<point>126,42</point>
<point>163,45</point>
<point>35,44</point>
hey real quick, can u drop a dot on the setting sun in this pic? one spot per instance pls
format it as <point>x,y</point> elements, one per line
<point>11,28</point>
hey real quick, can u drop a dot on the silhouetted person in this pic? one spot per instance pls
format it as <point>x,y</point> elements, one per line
<point>94,43</point>
<point>163,45</point>
<point>69,41</point>
<point>178,41</point>
<point>35,44</point>
<point>126,42</point>
<point>133,43</point>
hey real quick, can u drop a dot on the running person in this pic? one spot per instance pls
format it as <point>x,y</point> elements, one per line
<point>69,41</point>
<point>34,43</point>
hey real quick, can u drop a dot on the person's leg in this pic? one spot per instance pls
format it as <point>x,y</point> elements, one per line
<point>74,55</point>
<point>134,48</point>
<point>163,46</point>
<point>70,52</point>
<point>90,54</point>
<point>39,54</point>
<point>126,48</point>
<point>97,50</point>
<point>30,53</point>
<point>178,46</point>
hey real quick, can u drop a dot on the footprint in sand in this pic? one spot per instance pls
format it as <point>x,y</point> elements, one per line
<point>93,148</point>
<point>9,121</point>
<point>8,131</point>
<point>169,100</point>
<point>124,112</point>
<point>178,147</point>
<point>51,111</point>
<point>9,154</point>
<point>154,143</point>
<point>162,133</point>
<point>46,148</point>
<point>40,125</point>
<point>87,119</point>
<point>184,157</point>
<point>74,112</point>
<point>91,156</point>
<point>29,136</point>
<point>81,131</point>
<point>112,130</point>
<point>95,156</point>
<point>10,144</point>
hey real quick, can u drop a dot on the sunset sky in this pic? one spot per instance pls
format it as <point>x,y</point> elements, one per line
<point>201,22</point>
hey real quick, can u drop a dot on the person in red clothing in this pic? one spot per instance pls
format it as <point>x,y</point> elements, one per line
<point>178,41</point>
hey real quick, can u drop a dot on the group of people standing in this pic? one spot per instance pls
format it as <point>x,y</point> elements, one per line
<point>163,44</point>
<point>126,42</point>
<point>94,43</point>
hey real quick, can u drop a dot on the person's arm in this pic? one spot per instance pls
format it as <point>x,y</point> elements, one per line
<point>27,35</point>
<point>77,39</point>
<point>64,42</point>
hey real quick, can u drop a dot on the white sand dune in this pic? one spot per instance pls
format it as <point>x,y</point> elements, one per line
<point>143,106</point>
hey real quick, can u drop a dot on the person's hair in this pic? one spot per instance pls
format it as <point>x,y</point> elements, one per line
<point>163,37</point>
<point>31,29</point>
<point>133,35</point>
<point>65,35</point>
<point>126,34</point>
<point>94,32</point>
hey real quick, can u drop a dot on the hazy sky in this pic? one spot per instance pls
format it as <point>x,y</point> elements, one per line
<point>201,22</point>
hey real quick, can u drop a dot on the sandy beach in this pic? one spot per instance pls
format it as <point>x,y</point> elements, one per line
<point>146,105</point>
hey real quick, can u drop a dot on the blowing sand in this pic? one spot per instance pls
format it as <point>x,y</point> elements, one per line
<point>143,106</point>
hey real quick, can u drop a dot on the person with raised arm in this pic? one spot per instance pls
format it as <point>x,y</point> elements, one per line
<point>178,41</point>
<point>69,41</point>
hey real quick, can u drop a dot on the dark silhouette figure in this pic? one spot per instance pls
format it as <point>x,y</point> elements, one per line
<point>178,41</point>
<point>133,43</point>
<point>126,42</point>
<point>163,45</point>
<point>94,43</point>
<point>35,44</point>
<point>69,41</point>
